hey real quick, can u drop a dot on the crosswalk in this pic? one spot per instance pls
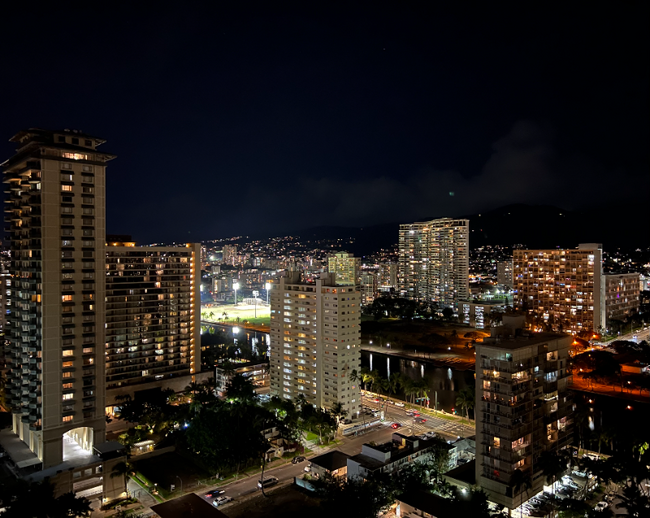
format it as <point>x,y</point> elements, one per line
<point>446,427</point>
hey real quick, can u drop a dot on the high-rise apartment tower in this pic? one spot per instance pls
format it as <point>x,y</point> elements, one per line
<point>346,268</point>
<point>523,408</point>
<point>434,260</point>
<point>153,331</point>
<point>55,208</point>
<point>564,288</point>
<point>315,341</point>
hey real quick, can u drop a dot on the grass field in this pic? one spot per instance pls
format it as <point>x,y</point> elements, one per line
<point>215,313</point>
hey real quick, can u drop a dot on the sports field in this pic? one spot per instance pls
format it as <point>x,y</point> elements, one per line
<point>245,313</point>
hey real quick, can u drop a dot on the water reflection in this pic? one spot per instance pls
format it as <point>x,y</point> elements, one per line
<point>444,381</point>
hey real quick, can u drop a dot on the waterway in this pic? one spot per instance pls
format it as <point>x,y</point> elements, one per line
<point>444,382</point>
<point>253,338</point>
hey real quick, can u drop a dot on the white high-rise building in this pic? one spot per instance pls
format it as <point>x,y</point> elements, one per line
<point>56,324</point>
<point>315,341</point>
<point>434,260</point>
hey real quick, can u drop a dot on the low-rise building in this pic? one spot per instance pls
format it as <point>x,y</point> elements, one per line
<point>334,463</point>
<point>390,456</point>
<point>258,373</point>
<point>475,313</point>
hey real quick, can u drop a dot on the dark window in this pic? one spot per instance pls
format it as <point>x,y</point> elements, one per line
<point>61,139</point>
<point>75,140</point>
<point>88,142</point>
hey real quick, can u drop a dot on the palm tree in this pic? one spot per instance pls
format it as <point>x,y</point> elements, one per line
<point>338,412</point>
<point>192,389</point>
<point>520,480</point>
<point>604,436</point>
<point>465,400</point>
<point>553,464</point>
<point>394,383</point>
<point>301,401</point>
<point>422,388</point>
<point>409,388</point>
<point>364,376</point>
<point>121,469</point>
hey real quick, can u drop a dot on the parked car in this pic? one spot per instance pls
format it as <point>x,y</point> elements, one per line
<point>267,482</point>
<point>399,404</point>
<point>298,459</point>
<point>214,492</point>
<point>396,425</point>
<point>430,435</point>
<point>571,484</point>
<point>307,468</point>
<point>221,500</point>
<point>347,421</point>
<point>601,506</point>
<point>581,474</point>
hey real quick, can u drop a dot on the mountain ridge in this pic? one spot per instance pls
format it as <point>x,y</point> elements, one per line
<point>534,226</point>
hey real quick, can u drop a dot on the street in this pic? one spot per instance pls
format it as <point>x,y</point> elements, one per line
<point>448,429</point>
<point>351,445</point>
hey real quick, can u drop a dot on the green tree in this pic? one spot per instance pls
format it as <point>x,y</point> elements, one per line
<point>21,499</point>
<point>394,383</point>
<point>553,465</point>
<point>466,399</point>
<point>338,412</point>
<point>361,498</point>
<point>240,388</point>
<point>447,313</point>
<point>520,483</point>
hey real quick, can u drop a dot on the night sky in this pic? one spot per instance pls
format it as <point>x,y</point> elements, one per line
<point>240,119</point>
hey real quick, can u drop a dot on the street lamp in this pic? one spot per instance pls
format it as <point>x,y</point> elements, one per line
<point>235,286</point>
<point>267,286</point>
<point>179,478</point>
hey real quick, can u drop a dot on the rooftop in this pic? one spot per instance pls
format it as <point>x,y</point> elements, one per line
<point>431,504</point>
<point>331,461</point>
<point>517,341</point>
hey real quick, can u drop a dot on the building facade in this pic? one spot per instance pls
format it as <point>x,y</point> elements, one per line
<point>55,195</point>
<point>622,296</point>
<point>55,205</point>
<point>476,314</point>
<point>257,373</point>
<point>434,261</point>
<point>315,341</point>
<point>368,287</point>
<point>346,268</point>
<point>523,407</point>
<point>504,274</point>
<point>153,330</point>
<point>562,287</point>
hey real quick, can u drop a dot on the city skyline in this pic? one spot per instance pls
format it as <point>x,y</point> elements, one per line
<point>374,115</point>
